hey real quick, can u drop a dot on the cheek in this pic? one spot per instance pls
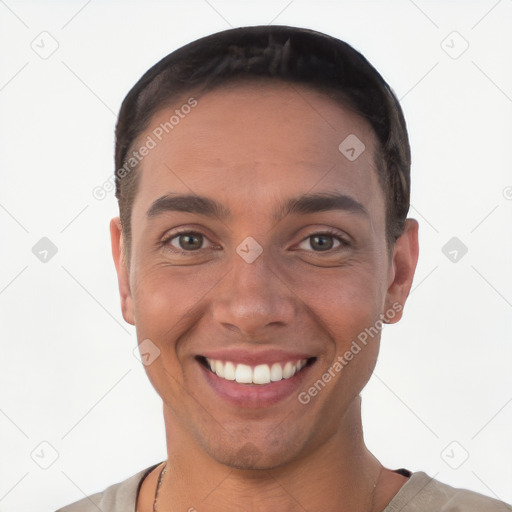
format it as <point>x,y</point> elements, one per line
<point>166,306</point>
<point>169,306</point>
<point>347,306</point>
<point>166,298</point>
<point>346,300</point>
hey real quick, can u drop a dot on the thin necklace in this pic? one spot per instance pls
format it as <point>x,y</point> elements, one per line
<point>162,473</point>
<point>158,486</point>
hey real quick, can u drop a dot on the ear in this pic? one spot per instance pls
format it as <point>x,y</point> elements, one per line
<point>123,274</point>
<point>401,271</point>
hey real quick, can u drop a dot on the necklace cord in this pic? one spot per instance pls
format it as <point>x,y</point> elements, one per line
<point>160,478</point>
<point>162,473</point>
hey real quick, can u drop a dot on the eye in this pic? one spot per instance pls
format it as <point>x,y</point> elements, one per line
<point>323,242</point>
<point>186,241</point>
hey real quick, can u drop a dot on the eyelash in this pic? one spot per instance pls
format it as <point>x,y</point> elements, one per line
<point>329,232</point>
<point>334,234</point>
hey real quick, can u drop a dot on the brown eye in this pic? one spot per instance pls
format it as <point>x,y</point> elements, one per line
<point>322,242</point>
<point>187,241</point>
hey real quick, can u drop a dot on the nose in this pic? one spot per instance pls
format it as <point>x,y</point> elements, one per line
<point>253,297</point>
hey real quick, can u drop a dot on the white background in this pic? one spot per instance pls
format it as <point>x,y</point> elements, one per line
<point>68,376</point>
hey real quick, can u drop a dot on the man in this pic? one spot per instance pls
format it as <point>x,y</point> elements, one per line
<point>263,186</point>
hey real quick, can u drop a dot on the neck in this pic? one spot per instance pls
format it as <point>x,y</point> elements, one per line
<point>340,475</point>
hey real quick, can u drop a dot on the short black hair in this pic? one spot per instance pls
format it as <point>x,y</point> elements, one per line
<point>276,53</point>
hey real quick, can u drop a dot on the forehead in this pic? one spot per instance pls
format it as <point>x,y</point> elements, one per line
<point>247,143</point>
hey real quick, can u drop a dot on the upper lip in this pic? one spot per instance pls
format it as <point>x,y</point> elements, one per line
<point>255,357</point>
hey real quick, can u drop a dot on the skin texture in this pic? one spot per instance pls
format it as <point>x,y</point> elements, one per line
<point>251,148</point>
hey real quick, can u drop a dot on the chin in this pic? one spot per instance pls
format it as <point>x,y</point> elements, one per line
<point>250,457</point>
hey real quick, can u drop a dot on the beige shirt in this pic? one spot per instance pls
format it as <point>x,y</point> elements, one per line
<point>421,493</point>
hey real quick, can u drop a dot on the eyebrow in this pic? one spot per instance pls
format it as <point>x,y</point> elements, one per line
<point>310,203</point>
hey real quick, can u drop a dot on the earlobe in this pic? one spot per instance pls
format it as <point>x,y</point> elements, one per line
<point>403,266</point>
<point>123,274</point>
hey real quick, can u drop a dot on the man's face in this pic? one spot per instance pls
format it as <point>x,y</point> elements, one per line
<point>324,274</point>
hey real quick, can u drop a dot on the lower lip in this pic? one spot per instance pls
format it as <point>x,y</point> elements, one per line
<point>254,396</point>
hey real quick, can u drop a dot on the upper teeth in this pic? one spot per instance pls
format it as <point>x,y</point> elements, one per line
<point>261,374</point>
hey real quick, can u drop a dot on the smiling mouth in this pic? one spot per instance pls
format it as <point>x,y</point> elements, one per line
<point>260,374</point>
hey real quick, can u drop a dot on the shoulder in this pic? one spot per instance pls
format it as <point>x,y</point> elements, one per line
<point>119,497</point>
<point>423,493</point>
